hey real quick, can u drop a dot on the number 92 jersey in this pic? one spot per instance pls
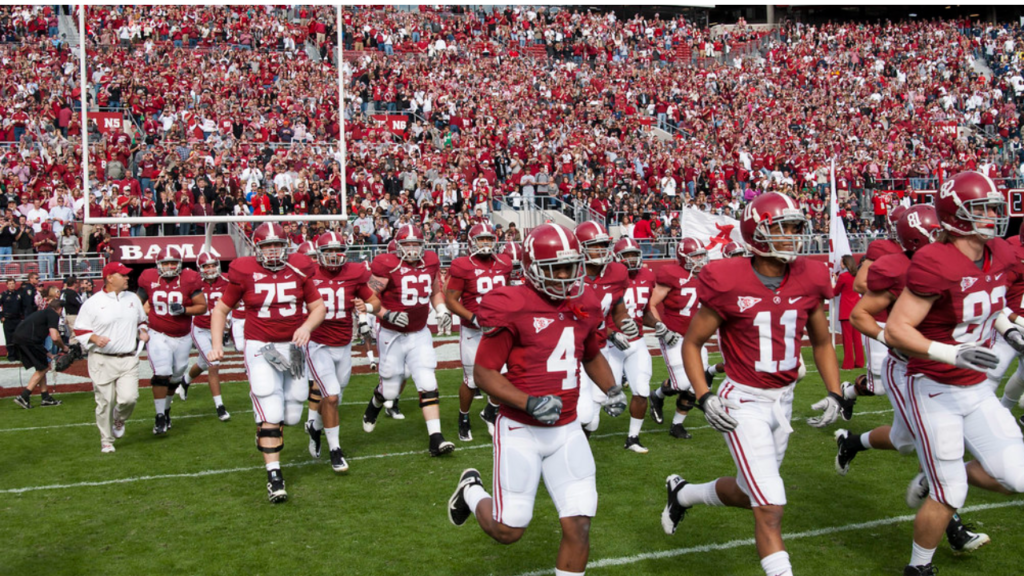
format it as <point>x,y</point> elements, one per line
<point>161,292</point>
<point>969,299</point>
<point>475,277</point>
<point>409,287</point>
<point>273,300</point>
<point>761,328</point>
<point>541,341</point>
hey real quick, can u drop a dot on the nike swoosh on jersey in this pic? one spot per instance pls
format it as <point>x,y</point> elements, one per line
<point>793,300</point>
<point>511,428</point>
<point>934,395</point>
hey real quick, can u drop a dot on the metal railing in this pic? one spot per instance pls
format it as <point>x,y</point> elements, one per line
<point>51,266</point>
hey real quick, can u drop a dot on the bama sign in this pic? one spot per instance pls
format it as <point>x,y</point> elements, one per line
<point>108,122</point>
<point>142,250</point>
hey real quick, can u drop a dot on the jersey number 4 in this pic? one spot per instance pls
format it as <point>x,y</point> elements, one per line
<point>563,358</point>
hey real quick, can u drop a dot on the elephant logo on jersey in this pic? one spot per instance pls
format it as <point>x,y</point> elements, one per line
<point>747,302</point>
<point>541,323</point>
<point>967,282</point>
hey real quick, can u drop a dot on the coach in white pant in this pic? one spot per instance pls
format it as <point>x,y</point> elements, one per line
<point>109,325</point>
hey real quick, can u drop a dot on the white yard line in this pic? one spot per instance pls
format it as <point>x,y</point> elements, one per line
<point>626,560</point>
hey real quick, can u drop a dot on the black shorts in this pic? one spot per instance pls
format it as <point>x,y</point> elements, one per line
<point>33,356</point>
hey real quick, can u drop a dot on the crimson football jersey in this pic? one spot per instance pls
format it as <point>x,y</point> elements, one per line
<point>639,286</point>
<point>762,328</point>
<point>882,247</point>
<point>475,277</point>
<point>1015,287</point>
<point>161,292</point>
<point>338,288</point>
<point>609,288</point>
<point>969,299</point>
<point>541,341</point>
<point>213,291</point>
<point>273,300</point>
<point>889,274</point>
<point>409,287</point>
<point>680,305</point>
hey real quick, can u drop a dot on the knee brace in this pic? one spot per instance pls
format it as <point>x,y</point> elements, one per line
<point>276,445</point>
<point>431,398</point>
<point>173,384</point>
<point>161,382</point>
<point>686,401</point>
<point>314,396</point>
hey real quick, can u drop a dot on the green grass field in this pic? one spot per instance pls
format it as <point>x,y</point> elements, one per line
<point>194,502</point>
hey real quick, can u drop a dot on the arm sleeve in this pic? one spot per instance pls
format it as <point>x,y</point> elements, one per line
<point>494,350</point>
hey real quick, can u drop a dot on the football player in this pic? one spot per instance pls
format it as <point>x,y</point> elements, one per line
<point>734,250</point>
<point>955,290</point>
<point>329,352</point>
<point>760,307</point>
<point>470,278</point>
<point>675,291</point>
<point>1015,301</point>
<point>609,281</point>
<point>214,284</point>
<point>170,294</point>
<point>514,252</point>
<point>405,285</point>
<point>916,228</point>
<point>544,331</point>
<point>274,287</point>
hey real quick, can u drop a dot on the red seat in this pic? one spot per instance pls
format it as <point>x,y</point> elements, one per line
<point>29,268</point>
<point>11,269</point>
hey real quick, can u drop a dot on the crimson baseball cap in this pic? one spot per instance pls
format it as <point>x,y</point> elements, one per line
<point>116,268</point>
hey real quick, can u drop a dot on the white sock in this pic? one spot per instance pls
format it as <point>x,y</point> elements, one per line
<point>1012,391</point>
<point>474,494</point>
<point>658,393</point>
<point>635,424</point>
<point>700,494</point>
<point>332,437</point>
<point>316,419</point>
<point>434,426</point>
<point>187,379</point>
<point>370,356</point>
<point>777,564</point>
<point>678,418</point>
<point>921,556</point>
<point>160,404</point>
<point>866,440</point>
<point>273,465</point>
<point>567,573</point>
<point>218,401</point>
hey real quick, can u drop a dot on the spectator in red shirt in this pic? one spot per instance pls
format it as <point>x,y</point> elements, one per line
<point>853,346</point>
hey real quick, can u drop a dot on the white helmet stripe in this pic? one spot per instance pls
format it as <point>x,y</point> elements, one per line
<point>562,236</point>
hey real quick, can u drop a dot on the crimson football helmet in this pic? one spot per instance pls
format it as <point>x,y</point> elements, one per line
<point>482,239</point>
<point>514,251</point>
<point>169,264</point>
<point>330,250</point>
<point>918,227</point>
<point>734,250</point>
<point>271,246</point>
<point>894,216</point>
<point>764,226</point>
<point>409,243</point>
<point>964,202</point>
<point>392,247</point>
<point>691,254</point>
<point>628,252</point>
<point>208,266</point>
<point>592,235</point>
<point>549,247</point>
<point>307,248</point>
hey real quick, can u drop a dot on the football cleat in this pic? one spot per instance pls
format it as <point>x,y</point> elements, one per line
<point>917,491</point>
<point>167,415</point>
<point>440,446</point>
<point>656,408</point>
<point>160,427</point>
<point>222,414</point>
<point>183,391</point>
<point>633,444</point>
<point>107,448</point>
<point>50,401</point>
<point>677,431</point>
<point>926,570</point>
<point>674,512</point>
<point>962,537</point>
<point>315,438</point>
<point>849,394</point>
<point>338,462</point>
<point>393,411</point>
<point>465,431</point>
<point>373,366</point>
<point>275,488</point>
<point>20,401</point>
<point>370,416</point>
<point>489,415</point>
<point>458,508</point>
<point>844,454</point>
<point>118,428</point>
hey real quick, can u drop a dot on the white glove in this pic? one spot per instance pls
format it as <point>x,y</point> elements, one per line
<point>616,402</point>
<point>1015,339</point>
<point>667,337</point>
<point>176,308</point>
<point>830,407</point>
<point>715,413</point>
<point>444,319</point>
<point>630,329</point>
<point>400,319</point>
<point>364,325</point>
<point>619,340</point>
<point>969,356</point>
<point>546,409</point>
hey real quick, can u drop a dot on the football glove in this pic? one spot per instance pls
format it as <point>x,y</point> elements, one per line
<point>667,337</point>
<point>298,362</point>
<point>275,358</point>
<point>616,402</point>
<point>715,413</point>
<point>619,340</point>
<point>630,329</point>
<point>176,308</point>
<point>830,407</point>
<point>400,319</point>
<point>546,409</point>
<point>444,319</point>
<point>968,356</point>
<point>1015,339</point>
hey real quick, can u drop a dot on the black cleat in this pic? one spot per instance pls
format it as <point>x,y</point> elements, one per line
<point>845,453</point>
<point>860,386</point>
<point>370,416</point>
<point>161,425</point>
<point>21,401</point>
<point>315,438</point>
<point>656,408</point>
<point>458,509</point>
<point>183,391</point>
<point>222,414</point>
<point>338,462</point>
<point>926,570</point>
<point>167,415</point>
<point>677,431</point>
<point>50,401</point>
<point>394,411</point>
<point>439,446</point>
<point>674,512</point>
<point>489,415</point>
<point>275,488</point>
<point>849,394</point>
<point>962,537</point>
<point>633,444</point>
<point>465,430</point>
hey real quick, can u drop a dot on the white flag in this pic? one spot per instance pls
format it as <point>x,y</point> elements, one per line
<point>714,232</point>
<point>838,242</point>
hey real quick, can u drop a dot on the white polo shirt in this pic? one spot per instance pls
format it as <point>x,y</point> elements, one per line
<point>116,316</point>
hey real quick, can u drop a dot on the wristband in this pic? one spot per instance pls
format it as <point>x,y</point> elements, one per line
<point>881,337</point>
<point>1003,323</point>
<point>1019,321</point>
<point>369,308</point>
<point>944,353</point>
